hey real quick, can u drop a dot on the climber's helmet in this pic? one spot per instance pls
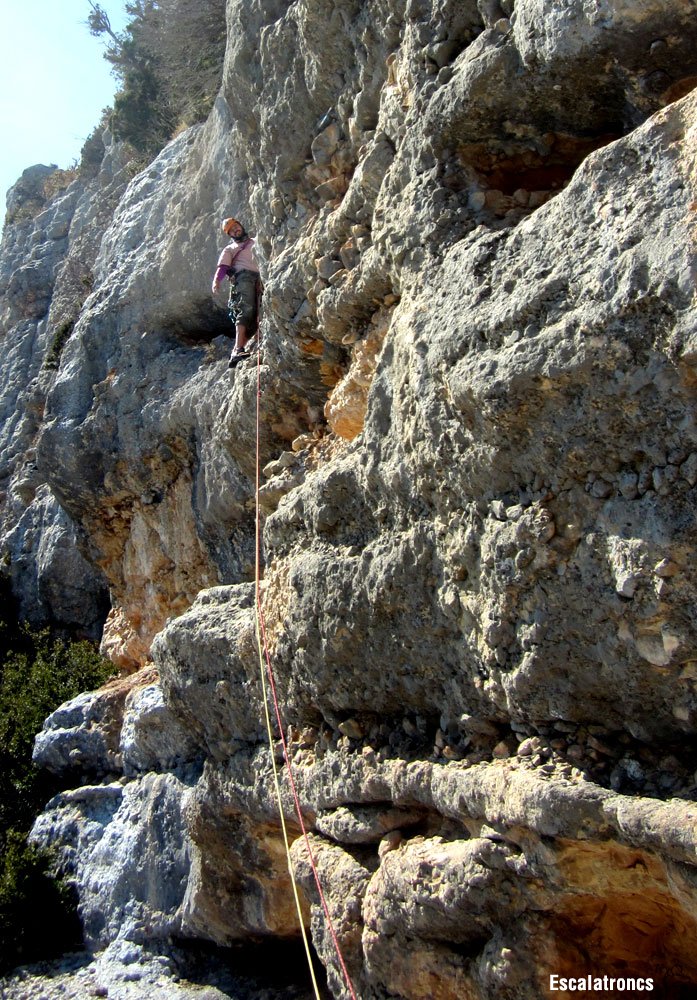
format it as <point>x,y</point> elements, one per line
<point>233,228</point>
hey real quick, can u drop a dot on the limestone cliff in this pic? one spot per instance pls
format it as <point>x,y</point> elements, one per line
<point>476,226</point>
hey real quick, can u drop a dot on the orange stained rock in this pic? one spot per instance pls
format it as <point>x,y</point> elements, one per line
<point>622,913</point>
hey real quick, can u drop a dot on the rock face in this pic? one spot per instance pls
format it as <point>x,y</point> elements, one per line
<point>476,229</point>
<point>46,271</point>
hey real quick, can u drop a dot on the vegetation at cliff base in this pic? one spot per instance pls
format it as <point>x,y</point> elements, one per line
<point>37,673</point>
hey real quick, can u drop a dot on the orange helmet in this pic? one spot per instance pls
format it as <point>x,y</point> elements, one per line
<point>228,224</point>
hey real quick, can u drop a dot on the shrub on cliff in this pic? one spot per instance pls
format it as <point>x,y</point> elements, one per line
<point>37,673</point>
<point>92,152</point>
<point>38,917</point>
<point>168,62</point>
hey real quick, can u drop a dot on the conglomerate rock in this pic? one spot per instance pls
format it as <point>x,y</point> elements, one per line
<point>476,230</point>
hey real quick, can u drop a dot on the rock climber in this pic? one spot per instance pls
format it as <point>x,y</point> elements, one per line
<point>238,263</point>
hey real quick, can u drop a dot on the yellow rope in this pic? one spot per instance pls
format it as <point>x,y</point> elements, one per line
<point>277,783</point>
<point>267,716</point>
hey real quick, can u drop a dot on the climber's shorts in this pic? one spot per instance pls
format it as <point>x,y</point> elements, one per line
<point>243,298</point>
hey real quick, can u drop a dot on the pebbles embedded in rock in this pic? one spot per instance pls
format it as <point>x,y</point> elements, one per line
<point>390,842</point>
<point>502,750</point>
<point>352,729</point>
<point>409,568</point>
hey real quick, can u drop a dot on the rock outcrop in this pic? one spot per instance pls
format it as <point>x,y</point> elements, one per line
<point>476,229</point>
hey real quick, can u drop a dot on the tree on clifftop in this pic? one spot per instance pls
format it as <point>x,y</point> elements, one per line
<point>168,61</point>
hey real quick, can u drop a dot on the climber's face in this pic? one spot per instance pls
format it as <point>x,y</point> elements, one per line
<point>236,231</point>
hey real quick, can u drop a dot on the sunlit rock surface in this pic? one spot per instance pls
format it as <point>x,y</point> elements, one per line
<point>478,455</point>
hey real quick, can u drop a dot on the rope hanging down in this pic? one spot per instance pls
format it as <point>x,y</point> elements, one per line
<point>268,685</point>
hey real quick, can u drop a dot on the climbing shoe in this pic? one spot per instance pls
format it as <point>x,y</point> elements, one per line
<point>236,357</point>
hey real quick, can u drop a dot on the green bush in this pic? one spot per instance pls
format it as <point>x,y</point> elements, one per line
<point>168,61</point>
<point>92,152</point>
<point>37,673</point>
<point>60,339</point>
<point>38,914</point>
<point>141,116</point>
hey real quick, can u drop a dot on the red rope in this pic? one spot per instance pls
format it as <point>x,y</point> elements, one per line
<point>277,711</point>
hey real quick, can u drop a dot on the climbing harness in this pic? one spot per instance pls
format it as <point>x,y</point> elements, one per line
<point>236,303</point>
<point>268,687</point>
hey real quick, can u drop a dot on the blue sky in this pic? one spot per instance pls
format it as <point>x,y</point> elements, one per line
<point>54,82</point>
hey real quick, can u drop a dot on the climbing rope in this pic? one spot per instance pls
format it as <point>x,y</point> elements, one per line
<point>268,685</point>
